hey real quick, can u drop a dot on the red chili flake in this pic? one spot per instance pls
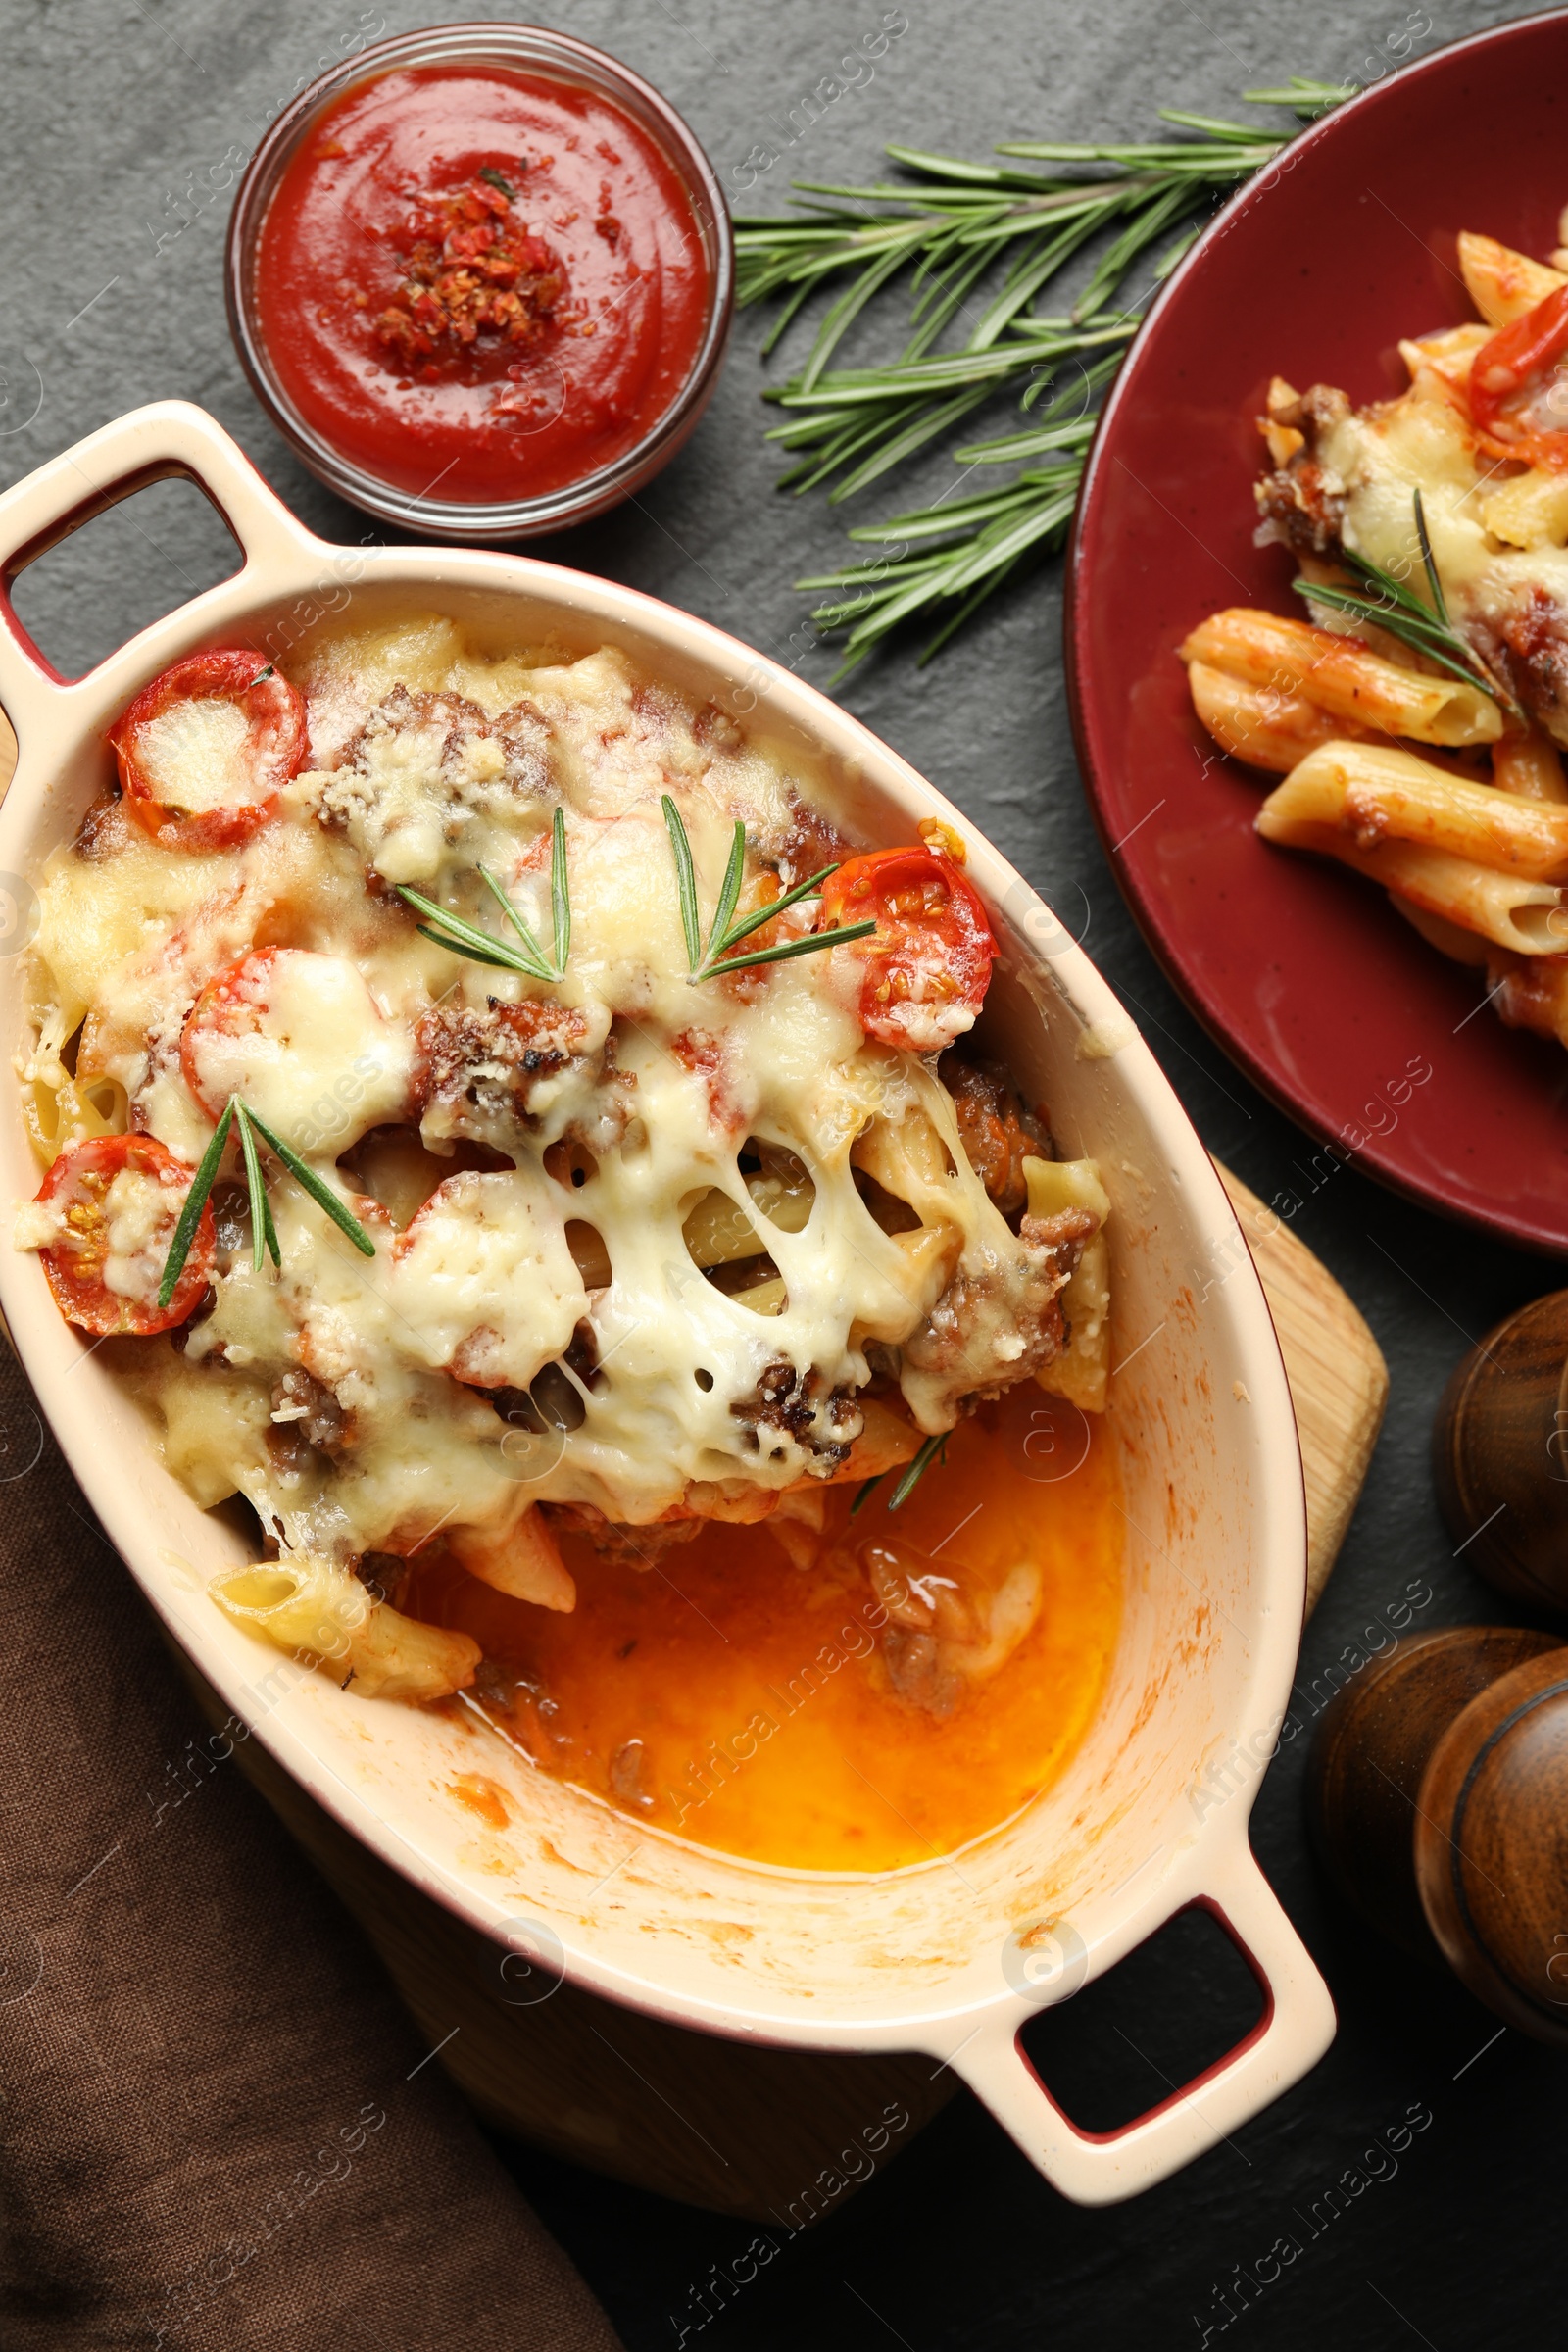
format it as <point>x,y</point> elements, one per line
<point>472,270</point>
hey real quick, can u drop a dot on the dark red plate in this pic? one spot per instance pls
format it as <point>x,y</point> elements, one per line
<point>1304,973</point>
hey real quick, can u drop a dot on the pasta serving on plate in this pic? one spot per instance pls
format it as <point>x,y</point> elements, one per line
<point>1419,719</point>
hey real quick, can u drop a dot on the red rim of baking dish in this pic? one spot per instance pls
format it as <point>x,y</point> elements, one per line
<point>555,57</point>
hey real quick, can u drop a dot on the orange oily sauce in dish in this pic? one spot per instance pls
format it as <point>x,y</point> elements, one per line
<point>748,1706</point>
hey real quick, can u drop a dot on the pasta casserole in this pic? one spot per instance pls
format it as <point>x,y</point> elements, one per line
<point>493,1118</point>
<point>1419,718</point>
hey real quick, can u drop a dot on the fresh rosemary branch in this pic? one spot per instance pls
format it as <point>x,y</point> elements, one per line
<point>1425,629</point>
<point>952,228</point>
<point>264,1231</point>
<point>462,938</point>
<point>724,933</point>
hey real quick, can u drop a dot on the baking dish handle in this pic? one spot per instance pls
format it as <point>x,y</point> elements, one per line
<point>1100,2168</point>
<point>168,437</point>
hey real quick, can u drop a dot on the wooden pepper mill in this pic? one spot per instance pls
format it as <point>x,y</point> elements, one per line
<point>1499,1455</point>
<point>1438,1784</point>
<point>1438,1795</point>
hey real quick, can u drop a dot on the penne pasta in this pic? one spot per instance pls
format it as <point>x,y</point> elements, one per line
<point>1373,791</point>
<point>1501,284</point>
<point>1082,1371</point>
<point>1464,947</point>
<point>1437,520</point>
<point>1529,510</point>
<point>1534,996</point>
<point>1530,765</point>
<point>315,1609</point>
<point>1529,918</point>
<point>525,1562</point>
<point>1440,364</point>
<point>1340,675</point>
<point>1256,724</point>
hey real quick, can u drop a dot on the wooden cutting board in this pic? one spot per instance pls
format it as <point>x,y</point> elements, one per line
<point>779,2137</point>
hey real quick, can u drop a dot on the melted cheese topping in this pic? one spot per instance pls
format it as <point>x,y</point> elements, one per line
<point>1476,512</point>
<point>195,755</point>
<point>586,1153</point>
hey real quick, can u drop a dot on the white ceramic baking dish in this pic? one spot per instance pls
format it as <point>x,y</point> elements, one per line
<point>951,1957</point>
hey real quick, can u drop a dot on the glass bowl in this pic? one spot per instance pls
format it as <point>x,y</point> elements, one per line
<point>552,57</point>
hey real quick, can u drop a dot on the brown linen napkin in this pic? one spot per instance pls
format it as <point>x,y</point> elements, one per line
<point>219,2131</point>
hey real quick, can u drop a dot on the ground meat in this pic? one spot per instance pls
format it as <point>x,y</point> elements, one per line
<point>1063,1234</point>
<point>99,835</point>
<point>995,1323</point>
<point>423,766</point>
<point>995,1129</point>
<point>1302,504</point>
<point>802,845</point>
<point>824,1421</point>
<point>309,1426</point>
<point>717,731</point>
<point>477,1070</point>
<point>628,1547</point>
<point>1531,651</point>
<point>311,1407</point>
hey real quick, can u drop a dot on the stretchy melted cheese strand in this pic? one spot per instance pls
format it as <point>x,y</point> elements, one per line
<point>723,933</point>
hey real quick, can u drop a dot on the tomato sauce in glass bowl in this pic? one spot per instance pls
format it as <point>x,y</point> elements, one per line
<point>484,288</point>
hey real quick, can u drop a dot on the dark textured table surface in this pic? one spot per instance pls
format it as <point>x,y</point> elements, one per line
<point>123,120</point>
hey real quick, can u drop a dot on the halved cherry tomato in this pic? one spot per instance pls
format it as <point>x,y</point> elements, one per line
<point>927,968</point>
<point>272,1028</point>
<point>203,750</point>
<point>119,1199</point>
<point>1519,386</point>
<point>235,1003</point>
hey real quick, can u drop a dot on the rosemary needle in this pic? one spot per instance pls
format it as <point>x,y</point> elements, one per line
<point>201,1185</point>
<point>918,1468</point>
<point>264,1233</point>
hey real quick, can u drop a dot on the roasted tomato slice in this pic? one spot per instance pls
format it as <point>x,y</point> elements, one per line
<point>1519,386</point>
<point>927,968</point>
<point>115,1202</point>
<point>203,750</point>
